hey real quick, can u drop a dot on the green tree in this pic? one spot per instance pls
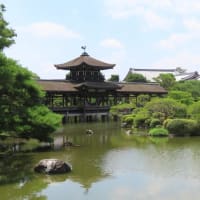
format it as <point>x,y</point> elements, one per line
<point>6,33</point>
<point>194,110</point>
<point>142,99</point>
<point>114,77</point>
<point>191,86</point>
<point>166,80</point>
<point>135,77</point>
<point>168,108</point>
<point>181,96</point>
<point>21,112</point>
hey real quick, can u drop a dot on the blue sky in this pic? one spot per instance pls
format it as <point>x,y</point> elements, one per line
<point>129,33</point>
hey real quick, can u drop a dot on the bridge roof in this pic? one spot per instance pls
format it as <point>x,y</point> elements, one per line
<point>135,88</point>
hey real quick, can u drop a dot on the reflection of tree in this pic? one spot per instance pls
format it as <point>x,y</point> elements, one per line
<point>17,179</point>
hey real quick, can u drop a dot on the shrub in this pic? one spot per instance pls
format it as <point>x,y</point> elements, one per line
<point>194,110</point>
<point>181,96</point>
<point>154,122</point>
<point>140,121</point>
<point>165,123</point>
<point>181,127</point>
<point>156,132</point>
<point>129,120</point>
<point>168,108</point>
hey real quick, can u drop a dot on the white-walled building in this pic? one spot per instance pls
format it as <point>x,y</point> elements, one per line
<point>150,74</point>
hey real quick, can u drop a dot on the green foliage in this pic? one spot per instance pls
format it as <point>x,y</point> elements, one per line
<point>181,96</point>
<point>168,107</point>
<point>135,77</point>
<point>166,80</point>
<point>157,132</point>
<point>129,120</point>
<point>21,111</point>
<point>181,127</point>
<point>192,87</point>
<point>159,115</point>
<point>154,123</point>
<point>165,123</point>
<point>30,145</point>
<point>142,100</point>
<point>114,77</point>
<point>6,34</point>
<point>194,110</point>
<point>141,119</point>
<point>123,108</point>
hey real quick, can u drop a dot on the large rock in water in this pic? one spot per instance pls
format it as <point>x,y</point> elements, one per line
<point>52,166</point>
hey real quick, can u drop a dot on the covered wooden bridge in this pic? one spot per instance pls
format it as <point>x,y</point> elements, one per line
<point>85,95</point>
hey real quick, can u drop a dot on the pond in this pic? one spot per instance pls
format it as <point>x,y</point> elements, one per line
<point>109,165</point>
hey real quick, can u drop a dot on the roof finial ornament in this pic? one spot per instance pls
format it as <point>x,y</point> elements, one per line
<point>84,48</point>
<point>84,52</point>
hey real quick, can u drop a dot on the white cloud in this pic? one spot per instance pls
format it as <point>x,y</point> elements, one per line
<point>145,9</point>
<point>184,59</point>
<point>111,43</point>
<point>175,40</point>
<point>154,20</point>
<point>49,29</point>
<point>192,24</point>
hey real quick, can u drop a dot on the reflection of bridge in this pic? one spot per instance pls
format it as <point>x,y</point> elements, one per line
<point>80,113</point>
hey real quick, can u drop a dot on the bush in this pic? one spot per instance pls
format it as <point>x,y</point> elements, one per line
<point>140,121</point>
<point>129,120</point>
<point>122,108</point>
<point>182,127</point>
<point>158,132</point>
<point>154,122</point>
<point>194,110</point>
<point>165,123</point>
<point>168,107</point>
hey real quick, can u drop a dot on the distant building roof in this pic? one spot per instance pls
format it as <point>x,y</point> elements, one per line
<point>84,58</point>
<point>188,76</point>
<point>153,70</point>
<point>150,74</point>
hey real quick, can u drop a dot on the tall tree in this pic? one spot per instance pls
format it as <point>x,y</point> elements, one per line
<point>166,80</point>
<point>21,111</point>
<point>6,34</point>
<point>114,77</point>
<point>135,77</point>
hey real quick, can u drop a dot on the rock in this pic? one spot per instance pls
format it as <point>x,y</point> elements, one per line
<point>129,132</point>
<point>52,166</point>
<point>89,132</point>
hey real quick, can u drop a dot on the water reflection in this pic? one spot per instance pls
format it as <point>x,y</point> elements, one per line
<point>108,165</point>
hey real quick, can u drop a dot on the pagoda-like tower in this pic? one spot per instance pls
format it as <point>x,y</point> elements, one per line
<point>85,68</point>
<point>91,94</point>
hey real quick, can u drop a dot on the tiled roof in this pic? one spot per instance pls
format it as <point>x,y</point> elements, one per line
<point>142,88</point>
<point>136,88</point>
<point>57,85</point>
<point>99,85</point>
<point>85,59</point>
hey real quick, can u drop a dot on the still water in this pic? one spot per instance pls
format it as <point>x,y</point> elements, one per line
<point>109,165</point>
